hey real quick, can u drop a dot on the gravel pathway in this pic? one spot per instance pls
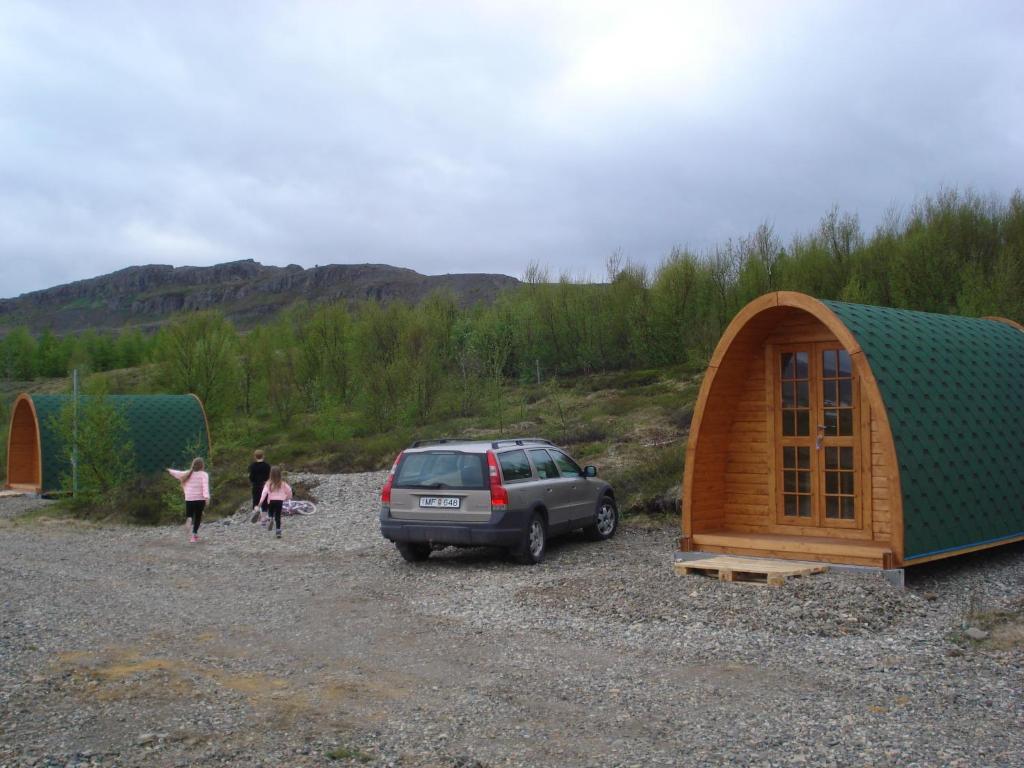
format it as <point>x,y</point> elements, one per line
<point>128,646</point>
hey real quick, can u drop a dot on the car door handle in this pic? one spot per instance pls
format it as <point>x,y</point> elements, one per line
<point>549,490</point>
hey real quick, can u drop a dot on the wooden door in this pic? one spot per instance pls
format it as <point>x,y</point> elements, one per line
<point>815,437</point>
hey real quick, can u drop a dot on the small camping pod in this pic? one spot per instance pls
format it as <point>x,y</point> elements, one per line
<point>164,430</point>
<point>856,434</point>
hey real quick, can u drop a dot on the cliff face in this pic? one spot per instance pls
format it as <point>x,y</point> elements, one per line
<point>244,290</point>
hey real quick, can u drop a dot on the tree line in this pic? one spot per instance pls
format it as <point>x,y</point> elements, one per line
<point>954,252</point>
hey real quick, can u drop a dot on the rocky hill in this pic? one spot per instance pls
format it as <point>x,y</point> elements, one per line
<point>245,291</point>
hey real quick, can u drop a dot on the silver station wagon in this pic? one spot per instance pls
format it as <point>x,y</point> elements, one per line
<point>503,493</point>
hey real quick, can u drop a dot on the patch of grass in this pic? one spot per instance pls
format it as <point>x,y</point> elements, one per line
<point>1005,626</point>
<point>346,752</point>
<point>650,484</point>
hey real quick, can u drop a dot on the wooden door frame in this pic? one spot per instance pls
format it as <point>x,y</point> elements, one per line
<point>861,444</point>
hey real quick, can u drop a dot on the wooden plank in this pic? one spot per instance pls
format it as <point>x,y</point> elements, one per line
<point>793,543</point>
<point>874,562</point>
<point>751,510</point>
<point>757,499</point>
<point>746,467</point>
<point>744,478</point>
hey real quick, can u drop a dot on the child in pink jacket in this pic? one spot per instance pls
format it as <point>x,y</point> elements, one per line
<point>195,484</point>
<point>276,492</point>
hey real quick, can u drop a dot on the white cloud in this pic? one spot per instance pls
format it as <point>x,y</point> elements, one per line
<point>480,135</point>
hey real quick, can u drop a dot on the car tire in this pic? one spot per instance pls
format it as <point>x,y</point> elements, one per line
<point>534,545</point>
<point>412,552</point>
<point>606,520</point>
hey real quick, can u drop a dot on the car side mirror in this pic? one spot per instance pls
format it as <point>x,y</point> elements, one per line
<point>590,471</point>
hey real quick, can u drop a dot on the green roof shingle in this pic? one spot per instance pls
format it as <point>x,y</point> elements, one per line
<point>165,431</point>
<point>954,392</point>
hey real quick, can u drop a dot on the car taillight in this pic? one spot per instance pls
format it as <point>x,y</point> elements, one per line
<point>499,494</point>
<point>385,492</point>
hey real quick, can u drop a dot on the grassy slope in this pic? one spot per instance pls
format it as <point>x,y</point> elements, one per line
<point>632,425</point>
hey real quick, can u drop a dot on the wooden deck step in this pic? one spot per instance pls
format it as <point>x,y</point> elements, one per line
<point>760,571</point>
<point>788,547</point>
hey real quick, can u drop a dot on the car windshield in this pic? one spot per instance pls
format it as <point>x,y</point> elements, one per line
<point>442,469</point>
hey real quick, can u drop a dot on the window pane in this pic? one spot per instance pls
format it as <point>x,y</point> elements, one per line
<point>831,422</point>
<point>831,482</point>
<point>846,422</point>
<point>803,394</point>
<point>845,367</point>
<point>566,466</point>
<point>805,506</point>
<point>828,364</point>
<point>831,507</point>
<point>803,423</point>
<point>788,365</point>
<point>788,398</point>
<point>789,506</point>
<point>442,469</point>
<point>788,423</point>
<point>804,482</point>
<point>846,392</point>
<point>846,482</point>
<point>829,393</point>
<point>514,466</point>
<point>804,458</point>
<point>801,365</point>
<point>545,466</point>
<point>846,458</point>
<point>788,457</point>
<point>789,482</point>
<point>831,458</point>
<point>846,505</point>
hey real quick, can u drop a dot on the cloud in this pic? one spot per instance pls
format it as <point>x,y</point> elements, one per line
<point>480,136</point>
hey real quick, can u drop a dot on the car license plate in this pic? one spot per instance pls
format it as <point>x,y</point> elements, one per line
<point>440,502</point>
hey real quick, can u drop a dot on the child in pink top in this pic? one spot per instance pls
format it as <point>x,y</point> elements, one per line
<point>277,492</point>
<point>195,484</point>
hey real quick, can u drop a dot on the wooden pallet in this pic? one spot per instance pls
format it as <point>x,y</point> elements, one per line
<point>760,571</point>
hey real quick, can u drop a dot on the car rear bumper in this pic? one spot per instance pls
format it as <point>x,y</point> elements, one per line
<point>505,532</point>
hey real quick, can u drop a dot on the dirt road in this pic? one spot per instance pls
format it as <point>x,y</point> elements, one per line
<point>124,646</point>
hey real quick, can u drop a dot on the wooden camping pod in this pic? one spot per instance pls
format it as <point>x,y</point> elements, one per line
<point>164,430</point>
<point>854,434</point>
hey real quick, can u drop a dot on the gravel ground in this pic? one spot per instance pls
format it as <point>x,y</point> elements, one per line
<point>128,646</point>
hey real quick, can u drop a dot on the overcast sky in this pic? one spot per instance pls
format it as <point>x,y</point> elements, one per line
<point>480,136</point>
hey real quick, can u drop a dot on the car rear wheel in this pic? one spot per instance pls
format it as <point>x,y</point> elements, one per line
<point>535,541</point>
<point>606,520</point>
<point>413,553</point>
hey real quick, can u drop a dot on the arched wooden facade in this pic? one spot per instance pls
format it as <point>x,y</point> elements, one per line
<point>164,430</point>
<point>854,434</point>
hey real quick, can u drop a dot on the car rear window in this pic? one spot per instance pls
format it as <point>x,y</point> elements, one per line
<point>442,469</point>
<point>514,466</point>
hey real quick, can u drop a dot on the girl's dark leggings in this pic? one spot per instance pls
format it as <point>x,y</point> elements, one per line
<point>194,509</point>
<point>275,512</point>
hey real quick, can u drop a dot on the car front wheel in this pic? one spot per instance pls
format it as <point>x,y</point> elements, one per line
<point>606,520</point>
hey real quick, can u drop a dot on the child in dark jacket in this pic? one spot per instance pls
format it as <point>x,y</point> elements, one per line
<point>259,473</point>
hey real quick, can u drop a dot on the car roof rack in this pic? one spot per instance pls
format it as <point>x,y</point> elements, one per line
<point>439,441</point>
<point>520,441</point>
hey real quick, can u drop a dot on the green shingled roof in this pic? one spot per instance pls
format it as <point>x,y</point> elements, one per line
<point>954,391</point>
<point>165,431</point>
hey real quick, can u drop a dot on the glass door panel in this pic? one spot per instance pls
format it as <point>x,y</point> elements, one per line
<point>836,440</point>
<point>815,428</point>
<point>796,438</point>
